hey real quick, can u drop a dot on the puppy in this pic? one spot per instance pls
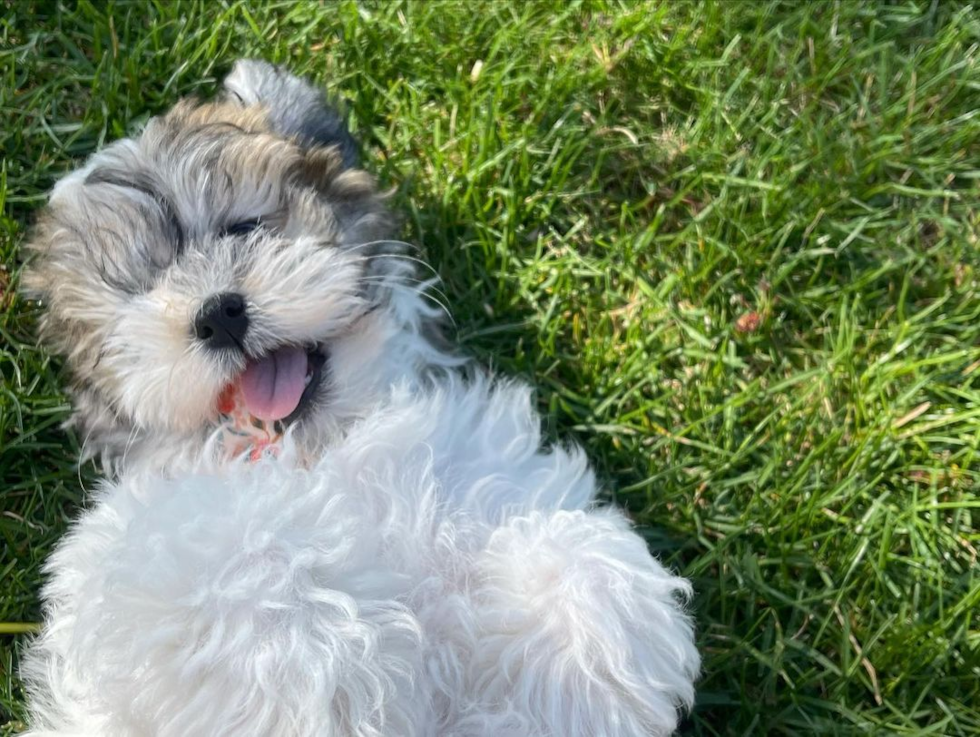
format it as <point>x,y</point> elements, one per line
<point>315,521</point>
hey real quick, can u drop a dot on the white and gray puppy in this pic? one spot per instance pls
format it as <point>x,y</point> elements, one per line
<point>313,523</point>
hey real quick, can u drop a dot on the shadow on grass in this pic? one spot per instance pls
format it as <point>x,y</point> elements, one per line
<point>508,340</point>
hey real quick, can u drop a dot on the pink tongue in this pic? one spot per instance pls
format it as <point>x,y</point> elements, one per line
<point>272,386</point>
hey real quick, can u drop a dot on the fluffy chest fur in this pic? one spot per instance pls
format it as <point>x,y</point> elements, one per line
<point>435,573</point>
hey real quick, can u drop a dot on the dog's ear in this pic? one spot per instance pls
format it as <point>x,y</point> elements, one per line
<point>296,109</point>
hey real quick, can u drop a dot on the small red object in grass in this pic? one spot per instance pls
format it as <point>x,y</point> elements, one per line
<point>748,323</point>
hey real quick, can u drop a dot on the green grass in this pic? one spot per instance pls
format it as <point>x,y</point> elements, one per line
<point>734,245</point>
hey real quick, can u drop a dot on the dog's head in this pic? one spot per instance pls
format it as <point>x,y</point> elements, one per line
<point>232,245</point>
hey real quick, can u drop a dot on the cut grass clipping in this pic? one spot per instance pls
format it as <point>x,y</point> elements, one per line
<point>734,245</point>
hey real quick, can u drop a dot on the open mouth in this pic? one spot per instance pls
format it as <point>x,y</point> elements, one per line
<point>281,385</point>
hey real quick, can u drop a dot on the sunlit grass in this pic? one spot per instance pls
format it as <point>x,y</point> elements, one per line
<point>734,245</point>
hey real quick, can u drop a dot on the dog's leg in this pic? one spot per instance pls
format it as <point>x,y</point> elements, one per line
<point>581,632</point>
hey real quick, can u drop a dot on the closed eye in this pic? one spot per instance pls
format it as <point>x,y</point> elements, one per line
<point>242,228</point>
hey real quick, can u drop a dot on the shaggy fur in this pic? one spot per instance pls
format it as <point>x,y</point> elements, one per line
<point>412,563</point>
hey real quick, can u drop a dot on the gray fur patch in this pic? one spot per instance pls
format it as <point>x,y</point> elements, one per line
<point>295,108</point>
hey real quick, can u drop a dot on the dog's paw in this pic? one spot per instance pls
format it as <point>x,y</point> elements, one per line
<point>583,632</point>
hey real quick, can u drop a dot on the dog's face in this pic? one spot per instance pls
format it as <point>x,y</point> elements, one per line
<point>232,244</point>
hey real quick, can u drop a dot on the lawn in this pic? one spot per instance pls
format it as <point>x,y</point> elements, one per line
<point>734,245</point>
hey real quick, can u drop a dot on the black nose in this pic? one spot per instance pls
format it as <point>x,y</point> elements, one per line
<point>222,321</point>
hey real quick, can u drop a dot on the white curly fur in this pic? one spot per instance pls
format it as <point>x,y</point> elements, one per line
<point>414,563</point>
<point>434,573</point>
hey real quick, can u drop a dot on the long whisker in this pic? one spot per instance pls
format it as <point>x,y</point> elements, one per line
<point>386,242</point>
<point>423,288</point>
<point>426,286</point>
<point>129,444</point>
<point>410,259</point>
<point>401,256</point>
<point>397,257</point>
